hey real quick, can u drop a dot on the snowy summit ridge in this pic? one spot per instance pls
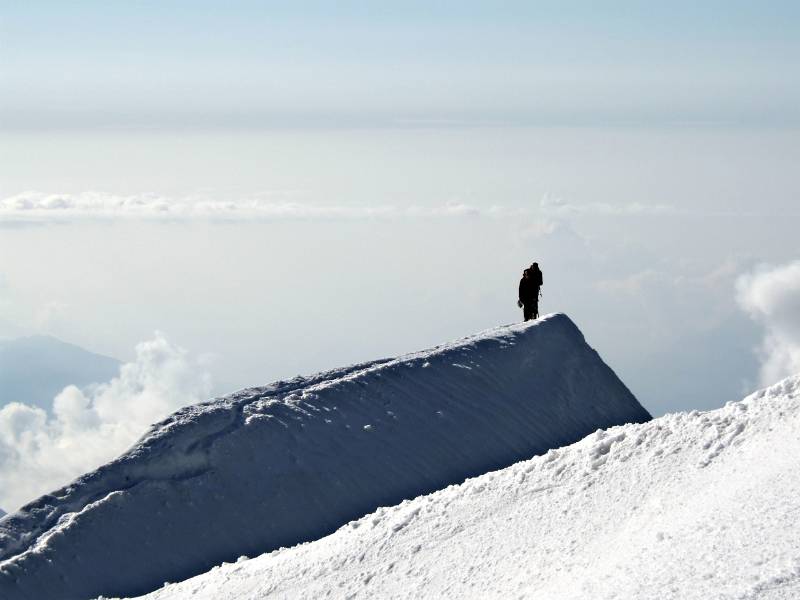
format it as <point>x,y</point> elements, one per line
<point>689,506</point>
<point>291,462</point>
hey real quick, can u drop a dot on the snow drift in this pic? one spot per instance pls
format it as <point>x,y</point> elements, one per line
<point>291,462</point>
<point>689,506</point>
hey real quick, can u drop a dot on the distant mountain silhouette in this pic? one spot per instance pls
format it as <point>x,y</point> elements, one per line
<point>34,369</point>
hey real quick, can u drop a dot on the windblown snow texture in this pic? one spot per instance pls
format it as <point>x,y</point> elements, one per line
<point>271,467</point>
<point>690,506</point>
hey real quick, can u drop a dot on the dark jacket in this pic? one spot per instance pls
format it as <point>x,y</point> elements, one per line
<point>529,287</point>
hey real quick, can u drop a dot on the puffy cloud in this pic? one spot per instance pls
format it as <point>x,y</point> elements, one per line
<point>39,453</point>
<point>771,295</point>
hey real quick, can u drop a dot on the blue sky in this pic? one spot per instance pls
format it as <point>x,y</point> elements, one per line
<point>261,64</point>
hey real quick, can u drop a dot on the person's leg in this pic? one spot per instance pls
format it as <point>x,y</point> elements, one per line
<point>527,312</point>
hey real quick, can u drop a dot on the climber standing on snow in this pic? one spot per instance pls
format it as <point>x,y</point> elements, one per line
<point>529,292</point>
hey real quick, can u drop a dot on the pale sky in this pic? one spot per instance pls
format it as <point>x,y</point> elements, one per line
<point>243,65</point>
<point>285,189</point>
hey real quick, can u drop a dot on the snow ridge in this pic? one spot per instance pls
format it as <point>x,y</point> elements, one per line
<point>689,506</point>
<point>270,467</point>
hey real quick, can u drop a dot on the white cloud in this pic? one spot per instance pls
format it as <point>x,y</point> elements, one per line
<point>90,427</point>
<point>40,207</point>
<point>35,206</point>
<point>559,207</point>
<point>771,295</point>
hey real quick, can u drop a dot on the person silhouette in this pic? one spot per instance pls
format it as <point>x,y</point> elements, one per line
<point>529,287</point>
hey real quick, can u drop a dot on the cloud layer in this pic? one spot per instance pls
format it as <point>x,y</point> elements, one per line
<point>40,207</point>
<point>90,427</point>
<point>36,206</point>
<point>771,295</point>
<point>558,207</point>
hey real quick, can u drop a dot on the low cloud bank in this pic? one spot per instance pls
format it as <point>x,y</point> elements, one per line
<point>89,427</point>
<point>771,295</point>
<point>36,206</point>
<point>558,207</point>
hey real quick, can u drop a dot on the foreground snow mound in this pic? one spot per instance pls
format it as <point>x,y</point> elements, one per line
<point>275,466</point>
<point>690,506</point>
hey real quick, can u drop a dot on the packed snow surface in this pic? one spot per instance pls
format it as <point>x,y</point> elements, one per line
<point>688,506</point>
<point>291,462</point>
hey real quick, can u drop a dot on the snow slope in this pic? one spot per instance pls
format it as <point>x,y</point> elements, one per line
<point>688,506</point>
<point>291,462</point>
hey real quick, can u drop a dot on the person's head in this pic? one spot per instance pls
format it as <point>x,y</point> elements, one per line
<point>526,273</point>
<point>534,267</point>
